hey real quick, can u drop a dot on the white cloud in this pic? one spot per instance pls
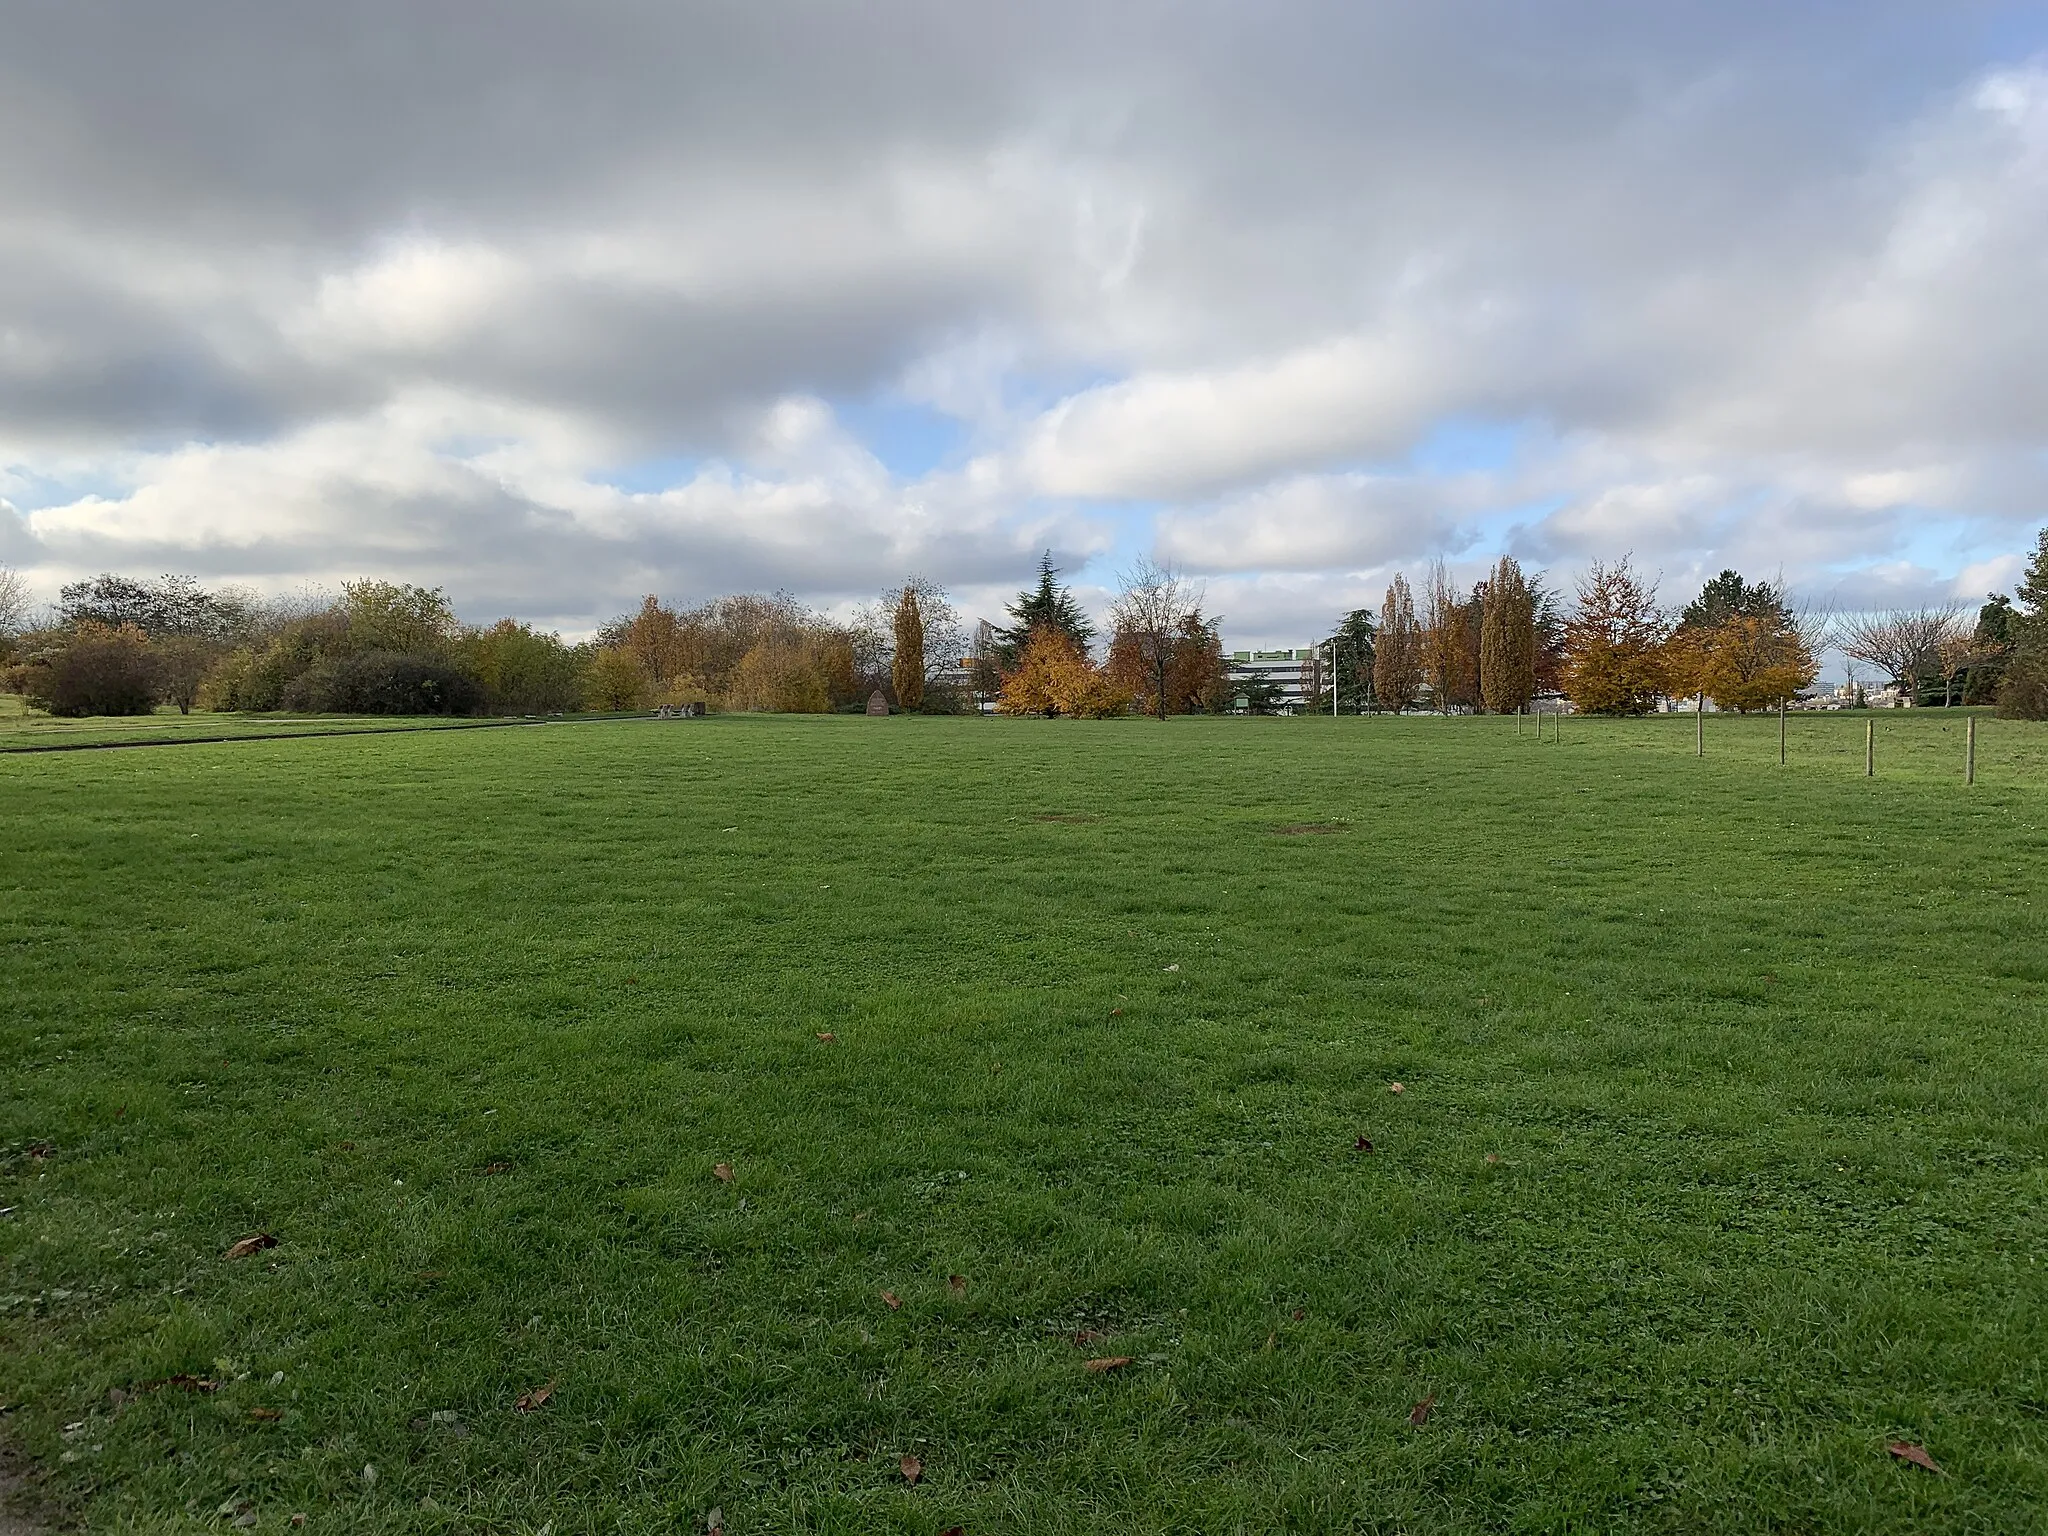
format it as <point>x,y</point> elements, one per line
<point>1744,284</point>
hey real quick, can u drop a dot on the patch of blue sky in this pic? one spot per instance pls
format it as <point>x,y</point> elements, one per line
<point>1467,445</point>
<point>650,476</point>
<point>31,491</point>
<point>910,439</point>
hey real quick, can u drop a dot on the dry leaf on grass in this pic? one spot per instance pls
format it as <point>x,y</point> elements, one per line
<point>1419,1414</point>
<point>957,1284</point>
<point>533,1397</point>
<point>1397,1087</point>
<point>912,1469</point>
<point>1114,1012</point>
<point>1106,1363</point>
<point>1300,1313</point>
<point>266,1415</point>
<point>714,1522</point>
<point>299,1518</point>
<point>254,1243</point>
<point>1492,1158</point>
<point>895,1302</point>
<point>1363,1144</point>
<point>1905,1450</point>
<point>722,1172</point>
<point>493,1168</point>
<point>827,1036</point>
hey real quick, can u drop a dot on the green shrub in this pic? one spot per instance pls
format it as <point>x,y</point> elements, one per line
<point>384,683</point>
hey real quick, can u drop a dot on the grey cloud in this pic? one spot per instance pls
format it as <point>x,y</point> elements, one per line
<point>1762,254</point>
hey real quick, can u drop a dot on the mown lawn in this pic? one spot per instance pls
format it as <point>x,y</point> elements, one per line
<point>1718,1164</point>
<point>23,729</point>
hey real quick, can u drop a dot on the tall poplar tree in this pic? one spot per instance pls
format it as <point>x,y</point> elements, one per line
<point>906,670</point>
<point>1397,650</point>
<point>1507,639</point>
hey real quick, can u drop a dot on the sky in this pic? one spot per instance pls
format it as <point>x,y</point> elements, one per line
<point>555,305</point>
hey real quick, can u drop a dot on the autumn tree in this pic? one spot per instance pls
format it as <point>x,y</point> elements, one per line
<point>1745,661</point>
<point>615,679</point>
<point>1613,642</point>
<point>906,667</point>
<point>780,675</point>
<point>1445,645</point>
<point>1397,653</point>
<point>1741,645</point>
<point>1054,676</point>
<point>2024,693</point>
<point>1507,640</point>
<point>1157,631</point>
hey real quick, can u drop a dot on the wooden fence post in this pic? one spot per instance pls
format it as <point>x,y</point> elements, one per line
<point>1781,733</point>
<point>1970,752</point>
<point>1870,748</point>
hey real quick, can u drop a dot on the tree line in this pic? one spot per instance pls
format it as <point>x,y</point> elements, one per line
<point>118,645</point>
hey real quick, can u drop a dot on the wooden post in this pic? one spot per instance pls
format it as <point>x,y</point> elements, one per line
<point>1699,705</point>
<point>1518,722</point>
<point>1970,752</point>
<point>1781,733</point>
<point>1870,749</point>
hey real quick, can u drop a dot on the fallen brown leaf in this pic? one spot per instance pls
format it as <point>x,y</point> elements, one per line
<point>1106,1363</point>
<point>533,1397</point>
<point>491,1168</point>
<point>1088,1336</point>
<point>895,1302</point>
<point>267,1415</point>
<point>183,1383</point>
<point>254,1243</point>
<point>722,1172</point>
<point>348,1146</point>
<point>1114,1012</point>
<point>1300,1313</point>
<point>1492,1158</point>
<point>42,1151</point>
<point>957,1284</point>
<point>1363,1144</point>
<point>1397,1088</point>
<point>827,1036</point>
<point>912,1469</point>
<point>299,1519</point>
<point>954,1530</point>
<point>1905,1450</point>
<point>1419,1414</point>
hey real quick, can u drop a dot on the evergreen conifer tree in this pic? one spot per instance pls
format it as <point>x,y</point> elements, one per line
<point>1049,605</point>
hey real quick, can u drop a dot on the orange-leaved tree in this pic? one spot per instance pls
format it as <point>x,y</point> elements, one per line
<point>1614,642</point>
<point>1054,676</point>
<point>1747,661</point>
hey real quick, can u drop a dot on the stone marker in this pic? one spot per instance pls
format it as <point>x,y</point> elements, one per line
<point>877,703</point>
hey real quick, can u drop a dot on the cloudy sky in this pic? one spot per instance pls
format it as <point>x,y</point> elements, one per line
<point>555,304</point>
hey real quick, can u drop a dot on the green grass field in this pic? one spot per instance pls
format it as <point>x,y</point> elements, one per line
<point>1719,1163</point>
<point>25,730</point>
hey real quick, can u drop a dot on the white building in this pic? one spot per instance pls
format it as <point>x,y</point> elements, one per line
<point>1282,668</point>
